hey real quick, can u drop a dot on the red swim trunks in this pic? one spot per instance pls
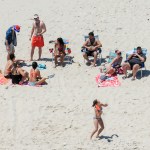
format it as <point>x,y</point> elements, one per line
<point>37,41</point>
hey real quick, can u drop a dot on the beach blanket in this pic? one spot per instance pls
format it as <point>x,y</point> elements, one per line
<point>112,81</point>
<point>3,80</point>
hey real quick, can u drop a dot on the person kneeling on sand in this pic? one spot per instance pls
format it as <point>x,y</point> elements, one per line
<point>134,62</point>
<point>9,65</point>
<point>97,118</point>
<point>19,76</point>
<point>35,76</point>
<point>91,46</point>
<point>59,51</point>
<point>114,65</point>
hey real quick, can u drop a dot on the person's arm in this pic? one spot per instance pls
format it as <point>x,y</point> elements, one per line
<point>85,44</point>
<point>141,58</point>
<point>43,29</point>
<point>104,105</point>
<point>98,44</point>
<point>130,56</point>
<point>32,31</point>
<point>39,75</point>
<point>113,61</point>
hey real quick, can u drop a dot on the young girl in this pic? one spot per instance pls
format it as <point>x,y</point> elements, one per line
<point>97,118</point>
<point>59,51</point>
<point>35,77</point>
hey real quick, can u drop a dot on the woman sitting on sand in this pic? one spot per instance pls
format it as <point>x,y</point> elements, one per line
<point>59,51</point>
<point>19,76</point>
<point>97,118</point>
<point>35,77</point>
<point>114,65</point>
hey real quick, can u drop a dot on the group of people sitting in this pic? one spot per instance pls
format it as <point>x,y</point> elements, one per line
<point>14,71</point>
<point>92,47</point>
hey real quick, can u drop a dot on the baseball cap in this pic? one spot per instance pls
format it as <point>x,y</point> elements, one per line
<point>36,16</point>
<point>17,28</point>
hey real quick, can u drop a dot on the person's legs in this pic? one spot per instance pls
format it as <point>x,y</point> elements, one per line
<point>56,62</point>
<point>95,58</point>
<point>96,127</point>
<point>32,53</point>
<point>86,57</point>
<point>136,67</point>
<point>62,56</point>
<point>41,81</point>
<point>125,67</point>
<point>111,71</point>
<point>40,52</point>
<point>100,121</point>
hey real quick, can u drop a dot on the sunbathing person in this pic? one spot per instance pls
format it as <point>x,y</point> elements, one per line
<point>91,46</point>
<point>9,65</point>
<point>97,118</point>
<point>114,65</point>
<point>35,76</point>
<point>134,62</point>
<point>19,76</point>
<point>59,51</point>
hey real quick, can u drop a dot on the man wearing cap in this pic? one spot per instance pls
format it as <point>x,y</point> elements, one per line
<point>38,29</point>
<point>11,39</point>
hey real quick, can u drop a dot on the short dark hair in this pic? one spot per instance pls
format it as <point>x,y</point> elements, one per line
<point>139,48</point>
<point>91,33</point>
<point>60,40</point>
<point>11,56</point>
<point>94,102</point>
<point>34,65</point>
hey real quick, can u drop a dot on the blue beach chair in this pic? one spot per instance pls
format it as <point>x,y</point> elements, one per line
<point>144,51</point>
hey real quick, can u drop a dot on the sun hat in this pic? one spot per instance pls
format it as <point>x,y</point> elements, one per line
<point>17,28</point>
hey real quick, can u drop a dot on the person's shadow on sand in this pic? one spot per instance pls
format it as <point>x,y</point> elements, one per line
<point>108,138</point>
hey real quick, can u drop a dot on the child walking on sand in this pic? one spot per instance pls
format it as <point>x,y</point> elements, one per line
<point>97,118</point>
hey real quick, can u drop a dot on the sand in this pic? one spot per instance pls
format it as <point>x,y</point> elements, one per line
<point>58,116</point>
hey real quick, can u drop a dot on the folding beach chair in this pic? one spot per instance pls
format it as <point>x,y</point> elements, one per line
<point>67,51</point>
<point>144,51</point>
<point>99,50</point>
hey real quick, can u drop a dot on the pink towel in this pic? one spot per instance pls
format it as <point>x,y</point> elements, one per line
<point>3,80</point>
<point>112,81</point>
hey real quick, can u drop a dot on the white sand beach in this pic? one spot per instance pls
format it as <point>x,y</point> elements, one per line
<point>59,116</point>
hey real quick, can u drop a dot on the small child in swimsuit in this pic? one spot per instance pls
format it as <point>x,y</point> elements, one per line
<point>97,118</point>
<point>35,76</point>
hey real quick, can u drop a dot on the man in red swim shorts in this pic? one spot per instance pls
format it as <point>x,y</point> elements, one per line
<point>38,29</point>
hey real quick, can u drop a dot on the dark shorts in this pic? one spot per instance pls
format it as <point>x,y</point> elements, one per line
<point>132,64</point>
<point>9,76</point>
<point>90,53</point>
<point>16,79</point>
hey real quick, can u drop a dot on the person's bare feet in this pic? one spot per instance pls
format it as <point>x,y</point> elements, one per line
<point>93,64</point>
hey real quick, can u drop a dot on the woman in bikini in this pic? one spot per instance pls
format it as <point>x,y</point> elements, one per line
<point>35,76</point>
<point>19,76</point>
<point>97,118</point>
<point>59,51</point>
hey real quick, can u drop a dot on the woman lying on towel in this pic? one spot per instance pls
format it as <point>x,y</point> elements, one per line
<point>59,51</point>
<point>114,65</point>
<point>35,76</point>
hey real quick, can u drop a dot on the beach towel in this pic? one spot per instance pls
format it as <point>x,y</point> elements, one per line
<point>112,81</point>
<point>41,66</point>
<point>3,80</point>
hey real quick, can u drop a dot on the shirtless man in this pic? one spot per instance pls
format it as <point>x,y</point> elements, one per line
<point>91,46</point>
<point>38,29</point>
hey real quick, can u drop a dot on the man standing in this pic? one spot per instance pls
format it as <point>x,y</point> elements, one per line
<point>37,31</point>
<point>11,39</point>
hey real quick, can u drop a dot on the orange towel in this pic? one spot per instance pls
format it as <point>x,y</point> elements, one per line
<point>37,41</point>
<point>3,80</point>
